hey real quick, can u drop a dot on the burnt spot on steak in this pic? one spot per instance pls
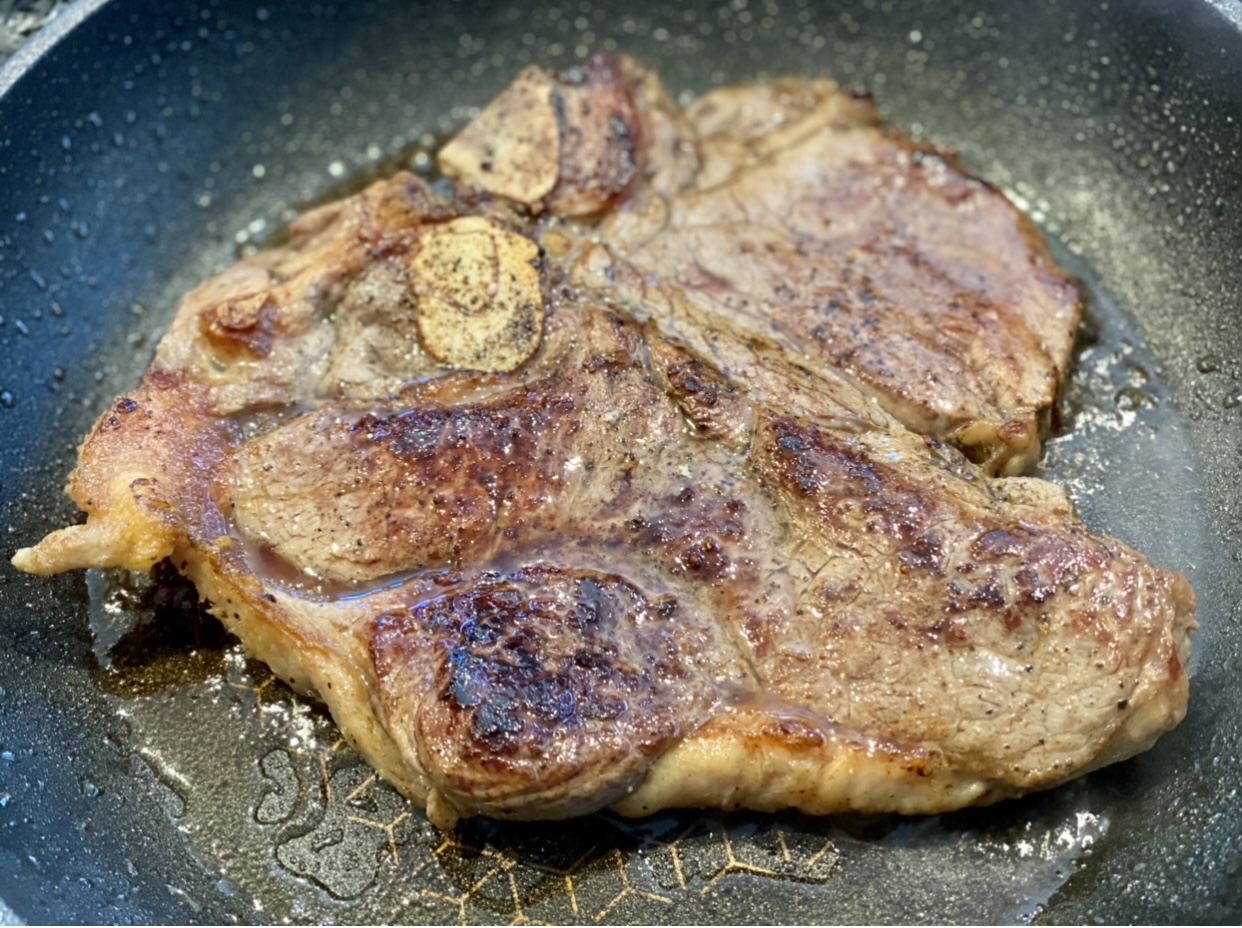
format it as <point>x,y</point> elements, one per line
<point>421,488</point>
<point>711,404</point>
<point>855,489</point>
<point>542,683</point>
<point>693,535</point>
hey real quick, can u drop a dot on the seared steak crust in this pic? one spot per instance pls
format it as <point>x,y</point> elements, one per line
<point>692,501</point>
<point>550,690</point>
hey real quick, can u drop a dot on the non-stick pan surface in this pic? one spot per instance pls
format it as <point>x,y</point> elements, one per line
<point>149,773</point>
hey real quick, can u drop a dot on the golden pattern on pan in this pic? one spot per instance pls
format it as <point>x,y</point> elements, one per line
<point>467,874</point>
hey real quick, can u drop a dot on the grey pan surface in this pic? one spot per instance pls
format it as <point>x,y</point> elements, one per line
<point>148,773</point>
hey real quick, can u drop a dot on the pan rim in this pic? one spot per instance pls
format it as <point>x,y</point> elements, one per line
<point>26,58</point>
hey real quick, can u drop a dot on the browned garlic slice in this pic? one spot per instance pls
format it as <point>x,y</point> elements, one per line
<point>480,306</point>
<point>513,148</point>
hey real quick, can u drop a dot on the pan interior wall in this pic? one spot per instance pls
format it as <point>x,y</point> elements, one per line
<point>149,773</point>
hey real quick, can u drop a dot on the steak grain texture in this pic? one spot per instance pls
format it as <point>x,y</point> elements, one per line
<point>675,461</point>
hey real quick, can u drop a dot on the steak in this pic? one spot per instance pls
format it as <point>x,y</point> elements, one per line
<point>673,461</point>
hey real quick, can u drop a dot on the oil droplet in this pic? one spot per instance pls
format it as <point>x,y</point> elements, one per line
<point>1130,398</point>
<point>169,788</point>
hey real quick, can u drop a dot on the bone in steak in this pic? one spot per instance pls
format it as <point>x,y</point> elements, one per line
<point>670,463</point>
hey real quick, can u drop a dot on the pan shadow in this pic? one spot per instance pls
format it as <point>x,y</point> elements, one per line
<point>151,633</point>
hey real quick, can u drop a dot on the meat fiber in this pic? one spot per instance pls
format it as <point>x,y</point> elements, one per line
<point>672,462</point>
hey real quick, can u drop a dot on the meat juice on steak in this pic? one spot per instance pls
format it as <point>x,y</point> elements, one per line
<point>674,461</point>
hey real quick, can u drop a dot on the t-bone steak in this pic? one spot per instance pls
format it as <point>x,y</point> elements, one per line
<point>673,461</point>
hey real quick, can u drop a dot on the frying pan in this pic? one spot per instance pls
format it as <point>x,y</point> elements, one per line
<point>149,773</point>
